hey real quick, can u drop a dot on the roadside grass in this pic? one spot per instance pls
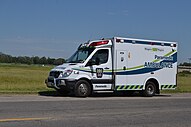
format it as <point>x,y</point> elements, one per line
<point>23,79</point>
<point>29,79</point>
<point>183,82</point>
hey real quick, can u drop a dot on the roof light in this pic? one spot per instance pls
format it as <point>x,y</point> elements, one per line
<point>99,43</point>
<point>173,45</point>
<point>120,40</point>
<point>133,41</point>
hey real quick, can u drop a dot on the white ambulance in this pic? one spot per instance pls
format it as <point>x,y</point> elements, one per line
<point>117,64</point>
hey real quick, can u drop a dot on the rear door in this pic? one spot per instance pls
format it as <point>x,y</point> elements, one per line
<point>121,67</point>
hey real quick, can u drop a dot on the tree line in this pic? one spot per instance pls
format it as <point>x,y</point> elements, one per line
<point>4,58</point>
<point>185,64</point>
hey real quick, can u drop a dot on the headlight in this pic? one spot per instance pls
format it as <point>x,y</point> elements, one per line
<point>66,73</point>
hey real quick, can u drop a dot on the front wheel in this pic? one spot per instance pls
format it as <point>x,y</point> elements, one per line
<point>82,88</point>
<point>150,89</point>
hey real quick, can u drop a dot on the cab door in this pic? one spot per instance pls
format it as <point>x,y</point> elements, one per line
<point>101,69</point>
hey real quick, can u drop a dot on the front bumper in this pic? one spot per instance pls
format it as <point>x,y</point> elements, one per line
<point>62,84</point>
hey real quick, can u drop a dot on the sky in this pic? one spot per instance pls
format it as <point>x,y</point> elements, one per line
<point>55,28</point>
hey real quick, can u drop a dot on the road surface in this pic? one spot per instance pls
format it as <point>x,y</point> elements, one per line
<point>99,111</point>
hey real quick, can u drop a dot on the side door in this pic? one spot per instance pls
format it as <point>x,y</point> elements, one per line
<point>101,68</point>
<point>121,67</point>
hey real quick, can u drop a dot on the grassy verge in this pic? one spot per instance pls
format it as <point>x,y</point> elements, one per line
<point>184,83</point>
<point>29,79</point>
<point>23,79</point>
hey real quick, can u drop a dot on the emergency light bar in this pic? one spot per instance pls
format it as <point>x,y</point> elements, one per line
<point>99,43</point>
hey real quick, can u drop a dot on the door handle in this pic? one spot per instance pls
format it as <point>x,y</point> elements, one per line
<point>106,68</point>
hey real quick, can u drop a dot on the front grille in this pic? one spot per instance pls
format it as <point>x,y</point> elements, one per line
<point>55,74</point>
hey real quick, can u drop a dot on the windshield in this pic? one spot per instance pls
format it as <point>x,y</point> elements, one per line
<point>80,55</point>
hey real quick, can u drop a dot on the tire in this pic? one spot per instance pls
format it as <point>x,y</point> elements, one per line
<point>82,89</point>
<point>150,89</point>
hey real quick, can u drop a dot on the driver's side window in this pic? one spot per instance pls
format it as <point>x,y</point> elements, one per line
<point>100,57</point>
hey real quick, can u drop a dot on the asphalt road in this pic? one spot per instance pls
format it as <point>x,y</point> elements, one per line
<point>100,111</point>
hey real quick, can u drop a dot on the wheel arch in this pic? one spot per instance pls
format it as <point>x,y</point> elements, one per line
<point>155,81</point>
<point>88,80</point>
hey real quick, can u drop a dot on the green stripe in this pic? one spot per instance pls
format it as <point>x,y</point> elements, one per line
<point>168,86</point>
<point>124,87</point>
<point>137,67</point>
<point>129,87</point>
<point>134,87</point>
<point>168,54</point>
<point>140,87</point>
<point>118,87</point>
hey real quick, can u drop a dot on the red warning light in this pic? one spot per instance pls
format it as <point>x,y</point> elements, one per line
<point>99,43</point>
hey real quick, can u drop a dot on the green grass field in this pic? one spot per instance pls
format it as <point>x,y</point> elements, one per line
<point>23,79</point>
<point>184,82</point>
<point>29,79</point>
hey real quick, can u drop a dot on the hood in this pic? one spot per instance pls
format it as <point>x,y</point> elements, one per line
<point>66,65</point>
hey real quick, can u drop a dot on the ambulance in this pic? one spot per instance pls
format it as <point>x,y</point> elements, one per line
<point>117,64</point>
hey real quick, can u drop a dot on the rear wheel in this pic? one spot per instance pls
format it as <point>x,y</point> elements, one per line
<point>82,88</point>
<point>150,89</point>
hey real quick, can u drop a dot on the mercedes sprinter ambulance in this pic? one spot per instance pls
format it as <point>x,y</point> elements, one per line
<point>117,64</point>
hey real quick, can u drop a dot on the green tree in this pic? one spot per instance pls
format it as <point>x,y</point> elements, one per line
<point>59,61</point>
<point>43,60</point>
